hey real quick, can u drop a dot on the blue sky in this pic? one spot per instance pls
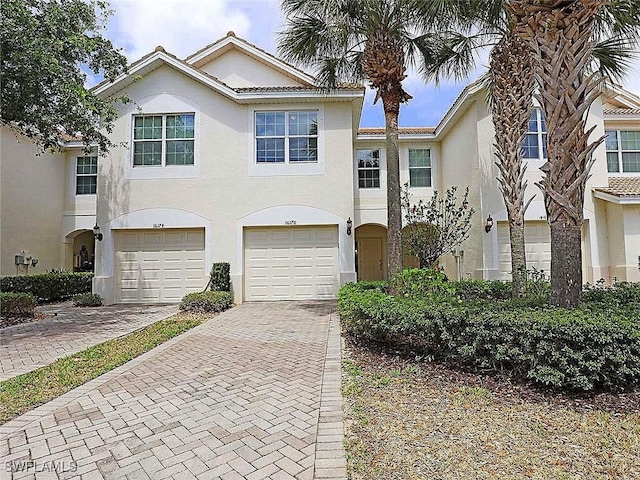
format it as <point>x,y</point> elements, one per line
<point>184,26</point>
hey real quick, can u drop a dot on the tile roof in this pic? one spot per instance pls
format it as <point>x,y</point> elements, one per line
<point>401,130</point>
<point>293,88</point>
<point>621,111</point>
<point>622,187</point>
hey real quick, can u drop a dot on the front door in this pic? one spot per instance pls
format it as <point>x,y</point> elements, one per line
<point>370,259</point>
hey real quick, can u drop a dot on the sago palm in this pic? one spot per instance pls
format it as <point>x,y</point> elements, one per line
<point>366,40</point>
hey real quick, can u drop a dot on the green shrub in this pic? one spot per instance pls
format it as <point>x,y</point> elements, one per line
<point>49,287</point>
<point>17,304</point>
<point>422,283</point>
<point>208,301</point>
<point>87,300</point>
<point>483,289</point>
<point>622,294</point>
<point>220,278</point>
<point>582,349</point>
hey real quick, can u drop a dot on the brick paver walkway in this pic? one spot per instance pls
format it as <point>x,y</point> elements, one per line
<point>32,345</point>
<point>253,393</point>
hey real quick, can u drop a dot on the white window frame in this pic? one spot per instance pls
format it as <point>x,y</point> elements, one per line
<point>266,169</point>
<point>287,137</point>
<point>162,140</point>
<point>619,151</point>
<point>76,174</point>
<point>378,168</point>
<point>430,167</point>
<point>540,133</point>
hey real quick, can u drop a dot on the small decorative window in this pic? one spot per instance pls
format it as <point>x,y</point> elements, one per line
<point>368,168</point>
<point>535,141</point>
<point>86,175</point>
<point>623,151</point>
<point>419,167</point>
<point>286,137</point>
<point>163,140</point>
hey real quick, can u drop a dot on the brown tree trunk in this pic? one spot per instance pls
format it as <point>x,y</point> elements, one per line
<point>512,76</point>
<point>518,259</point>
<point>566,265</point>
<point>560,35</point>
<point>394,207</point>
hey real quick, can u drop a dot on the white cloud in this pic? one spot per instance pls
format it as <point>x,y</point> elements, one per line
<point>181,27</point>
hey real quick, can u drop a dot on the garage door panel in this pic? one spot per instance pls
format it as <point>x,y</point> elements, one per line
<point>291,263</point>
<point>537,247</point>
<point>158,266</point>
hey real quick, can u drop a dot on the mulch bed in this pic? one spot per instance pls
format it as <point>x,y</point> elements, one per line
<point>10,321</point>
<point>408,419</point>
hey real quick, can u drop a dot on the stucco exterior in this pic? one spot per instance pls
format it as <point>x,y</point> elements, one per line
<point>226,192</point>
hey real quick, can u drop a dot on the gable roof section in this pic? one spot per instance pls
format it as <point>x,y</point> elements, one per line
<point>160,57</point>
<point>155,60</point>
<point>230,41</point>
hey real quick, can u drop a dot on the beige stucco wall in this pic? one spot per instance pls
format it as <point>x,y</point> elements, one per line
<point>462,165</point>
<point>238,70</point>
<point>225,191</point>
<point>31,203</point>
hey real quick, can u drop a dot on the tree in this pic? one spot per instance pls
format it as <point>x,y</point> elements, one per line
<point>436,227</point>
<point>511,73</point>
<point>563,35</point>
<point>511,85</point>
<point>373,40</point>
<point>44,45</point>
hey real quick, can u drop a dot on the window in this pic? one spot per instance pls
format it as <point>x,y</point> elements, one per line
<point>368,168</point>
<point>287,137</point>
<point>535,141</point>
<point>163,140</point>
<point>419,167</point>
<point>86,175</point>
<point>623,151</point>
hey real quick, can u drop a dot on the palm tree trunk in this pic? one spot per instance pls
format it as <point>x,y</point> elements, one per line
<point>560,35</point>
<point>512,78</point>
<point>518,259</point>
<point>394,207</point>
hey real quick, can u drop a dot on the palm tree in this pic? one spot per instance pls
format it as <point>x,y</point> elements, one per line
<point>562,34</point>
<point>372,40</point>
<point>511,84</point>
<point>511,73</point>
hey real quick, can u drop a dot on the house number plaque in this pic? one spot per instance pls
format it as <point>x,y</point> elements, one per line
<point>290,222</point>
<point>158,225</point>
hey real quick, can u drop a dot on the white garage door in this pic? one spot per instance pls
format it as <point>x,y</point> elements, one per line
<point>537,247</point>
<point>291,263</point>
<point>158,265</point>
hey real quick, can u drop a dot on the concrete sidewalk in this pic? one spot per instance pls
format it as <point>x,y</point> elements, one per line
<point>253,393</point>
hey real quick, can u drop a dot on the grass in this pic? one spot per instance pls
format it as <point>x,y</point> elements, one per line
<point>25,392</point>
<point>410,420</point>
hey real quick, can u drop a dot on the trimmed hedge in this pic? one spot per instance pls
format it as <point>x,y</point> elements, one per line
<point>207,301</point>
<point>17,304</point>
<point>87,300</point>
<point>584,349</point>
<point>220,277</point>
<point>49,287</point>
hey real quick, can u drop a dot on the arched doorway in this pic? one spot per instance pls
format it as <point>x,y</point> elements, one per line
<point>371,252</point>
<point>78,259</point>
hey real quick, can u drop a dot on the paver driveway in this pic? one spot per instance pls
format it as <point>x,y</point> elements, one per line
<point>28,346</point>
<point>253,393</point>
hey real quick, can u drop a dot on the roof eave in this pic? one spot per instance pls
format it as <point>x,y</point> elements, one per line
<point>618,199</point>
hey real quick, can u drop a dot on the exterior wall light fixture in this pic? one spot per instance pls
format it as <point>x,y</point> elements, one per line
<point>96,232</point>
<point>349,226</point>
<point>488,224</point>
